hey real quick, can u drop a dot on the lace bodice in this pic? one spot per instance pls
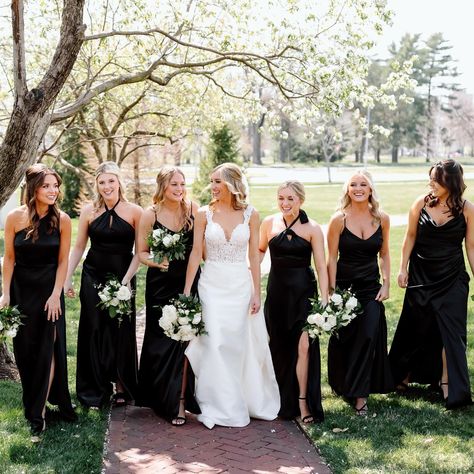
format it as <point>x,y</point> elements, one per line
<point>218,248</point>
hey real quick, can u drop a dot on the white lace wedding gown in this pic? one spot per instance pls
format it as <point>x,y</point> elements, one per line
<point>234,373</point>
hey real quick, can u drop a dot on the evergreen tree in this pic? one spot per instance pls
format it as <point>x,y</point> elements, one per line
<point>72,182</point>
<point>222,148</point>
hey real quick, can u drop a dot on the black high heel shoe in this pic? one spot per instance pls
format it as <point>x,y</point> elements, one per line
<point>441,383</point>
<point>179,420</point>
<point>37,427</point>
<point>308,419</point>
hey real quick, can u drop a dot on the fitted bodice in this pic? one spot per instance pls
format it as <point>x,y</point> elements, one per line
<point>44,251</point>
<point>218,248</point>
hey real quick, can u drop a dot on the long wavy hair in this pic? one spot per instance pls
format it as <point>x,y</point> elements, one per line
<point>163,179</point>
<point>374,204</point>
<point>35,176</point>
<point>449,174</point>
<point>108,167</point>
<point>233,178</point>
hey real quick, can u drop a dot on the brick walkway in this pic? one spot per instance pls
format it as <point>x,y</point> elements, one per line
<point>140,442</point>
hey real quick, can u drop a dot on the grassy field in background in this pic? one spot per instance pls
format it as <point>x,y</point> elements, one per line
<point>403,434</point>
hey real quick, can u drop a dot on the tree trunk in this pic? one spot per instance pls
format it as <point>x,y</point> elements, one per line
<point>357,156</point>
<point>256,144</point>
<point>31,115</point>
<point>377,155</point>
<point>136,179</point>
<point>395,154</point>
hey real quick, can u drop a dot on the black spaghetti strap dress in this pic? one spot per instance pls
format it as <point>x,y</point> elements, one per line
<point>358,363</point>
<point>106,352</point>
<point>434,313</point>
<point>35,345</point>
<point>291,282</point>
<point>162,359</point>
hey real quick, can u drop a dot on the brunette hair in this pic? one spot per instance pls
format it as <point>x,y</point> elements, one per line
<point>109,167</point>
<point>163,179</point>
<point>235,181</point>
<point>34,177</point>
<point>449,174</point>
<point>374,204</point>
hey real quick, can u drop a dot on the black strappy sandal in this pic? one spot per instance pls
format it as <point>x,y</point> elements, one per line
<point>441,389</point>
<point>119,400</point>
<point>362,411</point>
<point>179,420</point>
<point>308,419</point>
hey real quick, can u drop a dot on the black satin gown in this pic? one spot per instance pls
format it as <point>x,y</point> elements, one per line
<point>106,352</point>
<point>35,346</point>
<point>291,282</point>
<point>358,363</point>
<point>162,359</point>
<point>434,311</point>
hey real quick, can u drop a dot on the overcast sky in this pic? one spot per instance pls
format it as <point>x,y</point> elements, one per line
<point>453,18</point>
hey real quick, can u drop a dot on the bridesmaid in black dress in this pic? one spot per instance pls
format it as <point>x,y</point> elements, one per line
<point>37,241</point>
<point>292,239</point>
<point>166,381</point>
<point>429,346</point>
<point>358,234</point>
<point>106,351</point>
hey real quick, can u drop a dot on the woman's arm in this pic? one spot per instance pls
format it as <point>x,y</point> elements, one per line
<point>8,257</point>
<point>335,227</point>
<point>317,244</point>
<point>53,303</point>
<point>196,253</point>
<point>79,247</point>
<point>469,240</point>
<point>409,240</point>
<point>384,259</point>
<point>144,228</point>
<point>263,237</point>
<point>254,260</point>
<point>135,262</point>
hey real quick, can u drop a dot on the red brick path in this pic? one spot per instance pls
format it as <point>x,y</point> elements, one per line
<point>141,442</point>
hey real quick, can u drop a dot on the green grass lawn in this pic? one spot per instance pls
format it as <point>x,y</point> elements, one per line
<point>403,434</point>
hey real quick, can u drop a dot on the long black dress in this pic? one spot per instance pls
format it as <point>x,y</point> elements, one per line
<point>106,352</point>
<point>291,283</point>
<point>32,283</point>
<point>358,363</point>
<point>162,359</point>
<point>434,311</point>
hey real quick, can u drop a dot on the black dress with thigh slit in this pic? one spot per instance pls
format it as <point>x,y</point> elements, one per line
<point>434,313</point>
<point>358,363</point>
<point>162,358</point>
<point>291,283</point>
<point>106,351</point>
<point>39,340</point>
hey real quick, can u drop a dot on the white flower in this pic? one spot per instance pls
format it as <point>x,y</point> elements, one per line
<point>319,320</point>
<point>124,294</point>
<point>311,319</point>
<point>103,297</point>
<point>165,323</point>
<point>1,326</point>
<point>336,298</point>
<point>167,241</point>
<point>114,302</point>
<point>351,303</point>
<point>326,326</point>
<point>157,233</point>
<point>182,320</point>
<point>332,320</point>
<point>197,318</point>
<point>175,337</point>
<point>169,311</point>
<point>186,332</point>
<point>176,238</point>
<point>11,332</point>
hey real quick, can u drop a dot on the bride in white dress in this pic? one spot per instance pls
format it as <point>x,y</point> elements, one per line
<point>235,379</point>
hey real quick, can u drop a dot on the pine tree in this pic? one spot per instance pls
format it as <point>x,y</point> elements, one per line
<point>222,148</point>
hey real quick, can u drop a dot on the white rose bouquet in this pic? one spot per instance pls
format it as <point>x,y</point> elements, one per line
<point>181,320</point>
<point>341,309</point>
<point>116,298</point>
<point>10,321</point>
<point>166,245</point>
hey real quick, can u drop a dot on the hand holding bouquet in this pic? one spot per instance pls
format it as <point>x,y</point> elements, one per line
<point>341,309</point>
<point>10,321</point>
<point>166,246</point>
<point>181,320</point>
<point>116,298</point>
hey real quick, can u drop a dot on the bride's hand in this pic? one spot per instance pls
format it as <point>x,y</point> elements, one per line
<point>255,304</point>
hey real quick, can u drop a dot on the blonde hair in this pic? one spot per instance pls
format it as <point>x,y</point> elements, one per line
<point>296,187</point>
<point>234,179</point>
<point>163,179</point>
<point>108,167</point>
<point>374,204</point>
<point>35,176</point>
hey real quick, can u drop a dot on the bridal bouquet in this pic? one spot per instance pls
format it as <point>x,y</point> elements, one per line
<point>116,298</point>
<point>166,245</point>
<point>341,309</point>
<point>10,321</point>
<point>181,320</point>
